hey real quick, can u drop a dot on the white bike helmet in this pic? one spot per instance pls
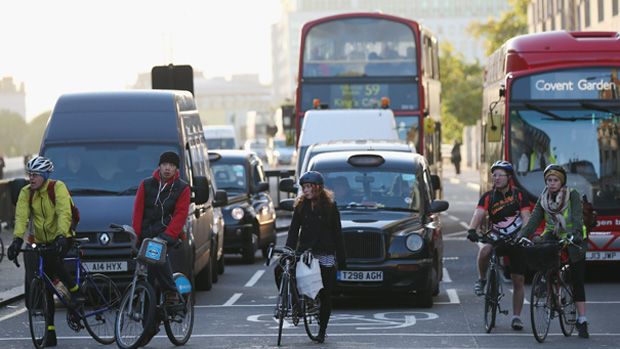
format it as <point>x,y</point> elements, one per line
<point>40,164</point>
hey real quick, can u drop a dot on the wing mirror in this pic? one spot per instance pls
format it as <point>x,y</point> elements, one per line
<point>201,190</point>
<point>221,198</point>
<point>439,206</point>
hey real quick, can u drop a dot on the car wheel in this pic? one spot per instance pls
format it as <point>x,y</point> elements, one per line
<point>220,265</point>
<point>425,295</point>
<point>204,280</point>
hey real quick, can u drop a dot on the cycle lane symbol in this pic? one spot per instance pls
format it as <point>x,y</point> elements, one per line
<point>377,321</point>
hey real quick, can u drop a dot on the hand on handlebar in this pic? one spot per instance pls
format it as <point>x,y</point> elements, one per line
<point>472,235</point>
<point>13,250</point>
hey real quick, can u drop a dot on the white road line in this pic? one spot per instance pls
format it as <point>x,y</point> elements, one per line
<point>454,218</point>
<point>282,234</point>
<point>446,276</point>
<point>464,225</point>
<point>15,313</point>
<point>454,258</point>
<point>232,299</point>
<point>254,278</point>
<point>458,233</point>
<point>454,297</point>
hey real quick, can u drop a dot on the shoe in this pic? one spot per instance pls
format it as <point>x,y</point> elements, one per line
<point>321,337</point>
<point>479,287</point>
<point>582,328</point>
<point>517,324</point>
<point>50,341</point>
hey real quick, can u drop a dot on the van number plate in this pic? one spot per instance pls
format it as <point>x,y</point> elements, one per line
<point>346,275</point>
<point>106,267</point>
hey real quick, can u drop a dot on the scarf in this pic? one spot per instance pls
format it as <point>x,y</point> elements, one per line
<point>554,205</point>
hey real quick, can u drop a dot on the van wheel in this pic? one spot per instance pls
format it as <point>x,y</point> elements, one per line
<point>213,264</point>
<point>220,265</point>
<point>204,279</point>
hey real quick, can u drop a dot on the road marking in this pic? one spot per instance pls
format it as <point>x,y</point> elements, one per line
<point>454,218</point>
<point>464,225</point>
<point>455,258</point>
<point>446,276</point>
<point>458,233</point>
<point>454,297</point>
<point>232,299</point>
<point>254,278</point>
<point>15,313</point>
<point>282,234</point>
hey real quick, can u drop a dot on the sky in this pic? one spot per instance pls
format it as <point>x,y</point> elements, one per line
<point>62,46</point>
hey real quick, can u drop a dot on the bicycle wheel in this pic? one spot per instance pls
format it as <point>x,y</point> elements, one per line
<point>179,318</point>
<point>102,298</point>
<point>490,299</point>
<point>282,306</point>
<point>311,309</point>
<point>540,306</point>
<point>1,249</point>
<point>37,312</point>
<point>130,326</point>
<point>568,313</point>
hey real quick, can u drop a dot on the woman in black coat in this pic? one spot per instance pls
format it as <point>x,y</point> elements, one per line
<point>316,225</point>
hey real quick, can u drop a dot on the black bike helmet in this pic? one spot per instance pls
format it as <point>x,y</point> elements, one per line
<point>312,177</point>
<point>556,170</point>
<point>504,165</point>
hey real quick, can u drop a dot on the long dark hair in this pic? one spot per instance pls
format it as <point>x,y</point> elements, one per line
<point>325,197</point>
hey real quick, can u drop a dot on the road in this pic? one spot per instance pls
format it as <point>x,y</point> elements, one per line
<point>238,312</point>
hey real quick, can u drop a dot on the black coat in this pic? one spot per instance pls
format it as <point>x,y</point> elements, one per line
<point>317,229</point>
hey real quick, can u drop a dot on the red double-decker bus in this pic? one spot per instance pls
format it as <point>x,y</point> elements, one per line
<point>554,97</point>
<point>353,61</point>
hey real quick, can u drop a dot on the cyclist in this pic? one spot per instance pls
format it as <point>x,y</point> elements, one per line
<point>507,211</point>
<point>52,226</point>
<point>160,210</point>
<point>316,225</point>
<point>561,209</point>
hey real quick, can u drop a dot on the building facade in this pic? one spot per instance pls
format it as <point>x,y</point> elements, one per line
<point>573,15</point>
<point>12,97</point>
<point>447,19</point>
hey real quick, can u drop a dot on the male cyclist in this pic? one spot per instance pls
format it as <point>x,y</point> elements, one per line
<point>507,211</point>
<point>52,226</point>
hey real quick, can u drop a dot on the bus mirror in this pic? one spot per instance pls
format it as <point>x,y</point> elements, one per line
<point>502,91</point>
<point>494,133</point>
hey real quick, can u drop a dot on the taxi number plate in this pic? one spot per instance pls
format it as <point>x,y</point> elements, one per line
<point>346,275</point>
<point>108,267</point>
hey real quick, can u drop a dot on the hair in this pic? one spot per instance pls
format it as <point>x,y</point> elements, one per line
<point>325,197</point>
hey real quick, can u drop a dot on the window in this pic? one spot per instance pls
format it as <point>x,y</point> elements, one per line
<point>601,10</point>
<point>614,7</point>
<point>587,14</point>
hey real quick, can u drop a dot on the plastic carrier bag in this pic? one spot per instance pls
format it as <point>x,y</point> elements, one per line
<point>152,251</point>
<point>309,280</point>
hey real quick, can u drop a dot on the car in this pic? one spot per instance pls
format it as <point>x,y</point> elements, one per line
<point>284,154</point>
<point>250,215</point>
<point>390,221</point>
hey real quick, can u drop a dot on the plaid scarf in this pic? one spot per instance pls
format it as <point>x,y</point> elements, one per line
<point>554,205</point>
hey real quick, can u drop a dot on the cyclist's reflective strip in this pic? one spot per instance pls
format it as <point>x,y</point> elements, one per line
<point>326,260</point>
<point>51,328</point>
<point>74,288</point>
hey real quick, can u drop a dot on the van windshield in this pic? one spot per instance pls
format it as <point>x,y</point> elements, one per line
<point>105,168</point>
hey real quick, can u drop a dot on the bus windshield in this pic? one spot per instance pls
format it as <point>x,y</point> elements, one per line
<point>583,140</point>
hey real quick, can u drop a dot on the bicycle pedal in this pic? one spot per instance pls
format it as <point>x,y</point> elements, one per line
<point>505,312</point>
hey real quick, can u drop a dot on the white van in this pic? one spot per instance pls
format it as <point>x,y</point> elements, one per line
<point>221,137</point>
<point>320,126</point>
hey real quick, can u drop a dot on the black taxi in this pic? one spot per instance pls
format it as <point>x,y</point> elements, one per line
<point>390,221</point>
<point>250,215</point>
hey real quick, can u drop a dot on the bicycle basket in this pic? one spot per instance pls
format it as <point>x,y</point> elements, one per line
<point>152,251</point>
<point>542,256</point>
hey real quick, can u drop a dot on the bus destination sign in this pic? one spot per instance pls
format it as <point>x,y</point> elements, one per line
<point>583,83</point>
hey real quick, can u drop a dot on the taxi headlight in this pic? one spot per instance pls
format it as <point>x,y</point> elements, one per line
<point>414,242</point>
<point>237,213</point>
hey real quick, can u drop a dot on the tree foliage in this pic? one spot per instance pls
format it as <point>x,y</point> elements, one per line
<point>18,137</point>
<point>461,92</point>
<point>496,31</point>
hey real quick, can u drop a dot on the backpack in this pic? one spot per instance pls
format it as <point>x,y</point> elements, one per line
<point>51,193</point>
<point>589,215</point>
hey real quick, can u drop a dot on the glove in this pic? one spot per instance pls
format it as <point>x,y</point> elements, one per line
<point>167,238</point>
<point>13,250</point>
<point>472,235</point>
<point>62,246</point>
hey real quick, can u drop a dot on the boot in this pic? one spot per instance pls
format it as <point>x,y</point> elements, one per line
<point>321,337</point>
<point>50,341</point>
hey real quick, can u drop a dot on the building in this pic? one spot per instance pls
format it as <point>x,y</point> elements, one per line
<point>573,15</point>
<point>12,98</point>
<point>447,19</point>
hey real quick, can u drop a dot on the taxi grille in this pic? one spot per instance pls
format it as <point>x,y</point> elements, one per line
<point>364,245</point>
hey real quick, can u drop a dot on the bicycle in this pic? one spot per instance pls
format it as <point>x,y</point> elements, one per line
<point>551,293</point>
<point>96,314</point>
<point>288,296</point>
<point>139,312</point>
<point>493,292</point>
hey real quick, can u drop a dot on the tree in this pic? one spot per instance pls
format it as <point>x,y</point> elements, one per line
<point>12,133</point>
<point>36,127</point>
<point>496,32</point>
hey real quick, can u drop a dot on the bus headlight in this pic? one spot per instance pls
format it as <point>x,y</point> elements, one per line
<point>414,242</point>
<point>237,213</point>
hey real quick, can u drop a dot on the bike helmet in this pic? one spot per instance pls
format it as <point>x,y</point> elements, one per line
<point>312,177</point>
<point>40,164</point>
<point>504,165</point>
<point>556,170</point>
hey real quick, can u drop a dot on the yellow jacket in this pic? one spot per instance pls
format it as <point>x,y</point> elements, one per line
<point>49,220</point>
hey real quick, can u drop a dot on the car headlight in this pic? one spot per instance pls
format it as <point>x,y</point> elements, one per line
<point>237,213</point>
<point>414,242</point>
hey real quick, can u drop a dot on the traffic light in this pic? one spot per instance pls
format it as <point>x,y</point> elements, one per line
<point>173,77</point>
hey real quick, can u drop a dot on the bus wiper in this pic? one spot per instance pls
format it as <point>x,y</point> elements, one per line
<point>357,204</point>
<point>402,209</point>
<point>593,106</point>
<point>556,116</point>
<point>93,191</point>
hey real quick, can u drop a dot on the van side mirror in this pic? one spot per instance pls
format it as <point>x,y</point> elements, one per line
<point>287,185</point>
<point>221,198</point>
<point>286,204</point>
<point>439,206</point>
<point>260,187</point>
<point>201,190</point>
<point>436,182</point>
<point>15,186</point>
